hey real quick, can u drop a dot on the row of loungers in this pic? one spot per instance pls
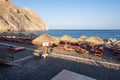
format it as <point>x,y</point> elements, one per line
<point>27,41</point>
<point>83,48</point>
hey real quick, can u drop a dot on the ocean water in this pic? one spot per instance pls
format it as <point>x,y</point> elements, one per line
<point>77,33</point>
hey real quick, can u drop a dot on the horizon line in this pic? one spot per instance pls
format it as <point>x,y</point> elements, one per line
<point>83,29</point>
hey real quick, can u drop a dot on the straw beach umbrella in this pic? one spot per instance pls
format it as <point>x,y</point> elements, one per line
<point>56,40</point>
<point>74,40</point>
<point>42,39</point>
<point>66,38</point>
<point>82,38</point>
<point>95,39</point>
<point>117,43</point>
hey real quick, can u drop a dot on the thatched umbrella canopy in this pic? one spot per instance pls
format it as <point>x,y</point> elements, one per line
<point>74,40</point>
<point>82,38</point>
<point>69,39</point>
<point>56,40</point>
<point>94,39</point>
<point>66,38</point>
<point>43,39</point>
<point>117,43</point>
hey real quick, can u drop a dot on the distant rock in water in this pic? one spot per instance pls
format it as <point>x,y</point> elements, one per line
<point>13,18</point>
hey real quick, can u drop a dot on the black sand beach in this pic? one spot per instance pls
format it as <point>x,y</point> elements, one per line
<point>35,68</point>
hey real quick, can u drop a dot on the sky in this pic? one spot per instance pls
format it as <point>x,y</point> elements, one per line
<point>76,14</point>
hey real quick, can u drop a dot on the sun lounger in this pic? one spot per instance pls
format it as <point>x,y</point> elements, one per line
<point>77,47</point>
<point>84,51</point>
<point>84,46</point>
<point>69,49</point>
<point>98,53</point>
<point>101,48</point>
<point>60,46</point>
<point>15,49</point>
<point>116,51</point>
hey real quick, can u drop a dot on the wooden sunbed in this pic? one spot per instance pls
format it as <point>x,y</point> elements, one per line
<point>98,53</point>
<point>101,49</point>
<point>84,51</point>
<point>116,51</point>
<point>15,49</point>
<point>60,46</point>
<point>69,49</point>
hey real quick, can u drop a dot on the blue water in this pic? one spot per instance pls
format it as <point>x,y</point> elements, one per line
<point>77,33</point>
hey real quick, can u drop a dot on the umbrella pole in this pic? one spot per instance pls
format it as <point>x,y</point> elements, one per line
<point>45,52</point>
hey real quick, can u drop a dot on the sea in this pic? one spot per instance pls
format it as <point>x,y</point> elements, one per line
<point>77,33</point>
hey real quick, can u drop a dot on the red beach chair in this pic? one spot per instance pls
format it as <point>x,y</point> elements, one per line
<point>99,54</point>
<point>101,49</point>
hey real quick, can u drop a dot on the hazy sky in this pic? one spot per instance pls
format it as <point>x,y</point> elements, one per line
<point>76,14</point>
